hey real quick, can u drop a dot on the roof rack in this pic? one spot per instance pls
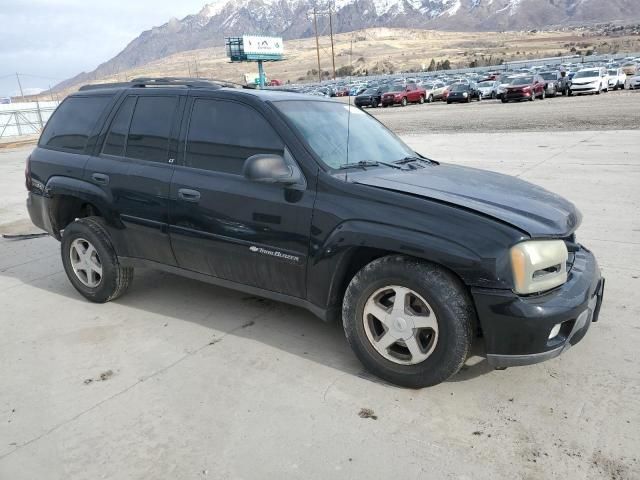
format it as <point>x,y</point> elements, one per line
<point>143,82</point>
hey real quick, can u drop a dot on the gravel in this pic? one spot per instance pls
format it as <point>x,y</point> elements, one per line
<point>615,110</point>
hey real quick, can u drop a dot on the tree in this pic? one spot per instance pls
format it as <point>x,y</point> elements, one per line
<point>432,66</point>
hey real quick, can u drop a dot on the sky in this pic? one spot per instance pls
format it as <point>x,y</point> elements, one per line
<point>47,41</point>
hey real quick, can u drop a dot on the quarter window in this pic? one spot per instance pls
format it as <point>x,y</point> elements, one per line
<point>223,134</point>
<point>72,123</point>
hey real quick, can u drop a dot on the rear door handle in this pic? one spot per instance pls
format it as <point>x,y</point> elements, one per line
<point>189,195</point>
<point>100,178</point>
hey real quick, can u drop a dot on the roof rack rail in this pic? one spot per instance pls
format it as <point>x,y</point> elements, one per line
<point>142,82</point>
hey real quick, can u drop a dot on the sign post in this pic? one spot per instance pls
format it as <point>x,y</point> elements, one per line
<point>255,48</point>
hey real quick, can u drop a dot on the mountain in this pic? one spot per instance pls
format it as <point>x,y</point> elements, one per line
<point>291,19</point>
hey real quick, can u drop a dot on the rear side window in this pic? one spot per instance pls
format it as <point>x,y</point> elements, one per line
<point>72,123</point>
<point>115,142</point>
<point>222,135</point>
<point>151,123</point>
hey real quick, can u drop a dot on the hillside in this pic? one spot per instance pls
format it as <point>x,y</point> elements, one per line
<point>291,19</point>
<point>386,50</point>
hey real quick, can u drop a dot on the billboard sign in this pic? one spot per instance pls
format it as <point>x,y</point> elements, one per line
<point>262,48</point>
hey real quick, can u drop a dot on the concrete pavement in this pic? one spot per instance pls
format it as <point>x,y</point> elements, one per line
<point>183,380</point>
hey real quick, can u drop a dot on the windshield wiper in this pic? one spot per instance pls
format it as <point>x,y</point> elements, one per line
<point>366,163</point>
<point>416,158</point>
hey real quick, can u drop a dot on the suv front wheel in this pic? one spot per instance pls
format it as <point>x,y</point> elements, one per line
<point>409,322</point>
<point>91,262</point>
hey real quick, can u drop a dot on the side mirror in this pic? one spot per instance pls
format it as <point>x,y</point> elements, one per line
<point>271,168</point>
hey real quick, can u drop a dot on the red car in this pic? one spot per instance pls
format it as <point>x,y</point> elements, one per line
<point>527,87</point>
<point>404,94</point>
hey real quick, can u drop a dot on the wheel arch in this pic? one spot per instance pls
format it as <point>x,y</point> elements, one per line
<point>355,244</point>
<point>71,198</point>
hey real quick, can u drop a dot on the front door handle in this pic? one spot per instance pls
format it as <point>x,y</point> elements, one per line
<point>100,178</point>
<point>189,195</point>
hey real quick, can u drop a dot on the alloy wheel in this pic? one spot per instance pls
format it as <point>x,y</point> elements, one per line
<point>400,325</point>
<point>85,262</point>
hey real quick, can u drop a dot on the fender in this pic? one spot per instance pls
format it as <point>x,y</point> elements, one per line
<point>85,192</point>
<point>332,260</point>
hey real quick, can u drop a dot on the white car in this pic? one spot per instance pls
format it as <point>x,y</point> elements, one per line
<point>590,80</point>
<point>633,81</point>
<point>617,77</point>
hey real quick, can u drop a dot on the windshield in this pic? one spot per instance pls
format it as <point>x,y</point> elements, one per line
<point>370,91</point>
<point>324,127</point>
<point>587,73</point>
<point>613,72</point>
<point>549,75</point>
<point>485,84</point>
<point>459,87</point>
<point>522,81</point>
<point>396,88</point>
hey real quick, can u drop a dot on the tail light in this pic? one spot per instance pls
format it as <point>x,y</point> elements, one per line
<point>27,174</point>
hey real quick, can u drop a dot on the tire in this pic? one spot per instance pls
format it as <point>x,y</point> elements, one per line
<point>441,351</point>
<point>543,96</point>
<point>421,101</point>
<point>113,280</point>
<point>504,100</point>
<point>374,104</point>
<point>448,102</point>
<point>404,101</point>
<point>493,95</point>
<point>599,90</point>
<point>469,99</point>
<point>384,105</point>
<point>616,87</point>
<point>569,93</point>
<point>532,98</point>
<point>430,99</point>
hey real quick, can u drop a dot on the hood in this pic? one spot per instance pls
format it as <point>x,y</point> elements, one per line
<point>586,79</point>
<point>527,207</point>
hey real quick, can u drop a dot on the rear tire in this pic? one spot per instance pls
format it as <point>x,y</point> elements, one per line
<point>431,296</point>
<point>430,99</point>
<point>90,235</point>
<point>404,101</point>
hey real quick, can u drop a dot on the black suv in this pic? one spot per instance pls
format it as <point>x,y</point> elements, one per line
<point>314,203</point>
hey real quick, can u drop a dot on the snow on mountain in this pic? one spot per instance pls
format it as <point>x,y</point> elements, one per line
<point>290,19</point>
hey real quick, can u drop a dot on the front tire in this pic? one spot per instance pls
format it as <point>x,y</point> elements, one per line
<point>91,263</point>
<point>421,101</point>
<point>409,322</point>
<point>430,99</point>
<point>404,101</point>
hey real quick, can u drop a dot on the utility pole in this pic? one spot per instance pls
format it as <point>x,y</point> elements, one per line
<point>315,27</point>
<point>333,55</point>
<point>22,93</point>
<point>50,92</point>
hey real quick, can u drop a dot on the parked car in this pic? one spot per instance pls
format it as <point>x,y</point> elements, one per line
<point>489,88</point>
<point>440,90</point>
<point>411,256</point>
<point>371,97</point>
<point>633,81</point>
<point>463,92</point>
<point>528,87</point>
<point>590,80</point>
<point>617,78</point>
<point>429,87</point>
<point>552,82</point>
<point>403,94</point>
<point>630,68</point>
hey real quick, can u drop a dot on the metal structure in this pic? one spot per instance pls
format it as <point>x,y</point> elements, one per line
<point>253,48</point>
<point>17,119</point>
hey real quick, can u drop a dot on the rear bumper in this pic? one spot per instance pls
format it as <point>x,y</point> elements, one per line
<point>516,329</point>
<point>38,208</point>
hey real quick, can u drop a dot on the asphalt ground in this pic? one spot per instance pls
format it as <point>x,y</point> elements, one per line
<point>183,380</point>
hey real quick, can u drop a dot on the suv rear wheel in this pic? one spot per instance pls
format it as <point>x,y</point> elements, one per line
<point>409,322</point>
<point>91,263</point>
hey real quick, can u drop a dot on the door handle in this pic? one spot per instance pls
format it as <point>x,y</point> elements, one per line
<point>189,195</point>
<point>100,178</point>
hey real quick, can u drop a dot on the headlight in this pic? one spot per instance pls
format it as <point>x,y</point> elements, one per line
<point>465,94</point>
<point>538,265</point>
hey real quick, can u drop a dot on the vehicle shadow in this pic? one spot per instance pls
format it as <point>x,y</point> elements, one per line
<point>225,312</point>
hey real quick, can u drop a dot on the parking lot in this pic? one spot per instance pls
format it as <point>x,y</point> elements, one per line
<point>184,380</point>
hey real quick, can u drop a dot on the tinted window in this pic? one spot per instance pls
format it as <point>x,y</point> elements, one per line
<point>72,123</point>
<point>222,135</point>
<point>150,127</point>
<point>114,144</point>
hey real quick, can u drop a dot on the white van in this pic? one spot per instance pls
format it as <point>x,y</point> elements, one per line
<point>590,80</point>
